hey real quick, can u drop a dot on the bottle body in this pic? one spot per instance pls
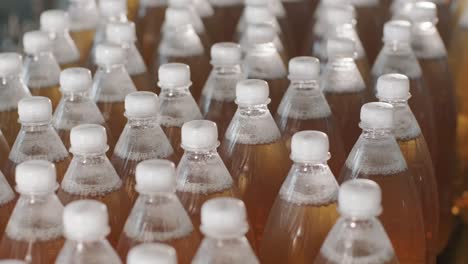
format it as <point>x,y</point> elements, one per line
<point>74,252</point>
<point>235,250</point>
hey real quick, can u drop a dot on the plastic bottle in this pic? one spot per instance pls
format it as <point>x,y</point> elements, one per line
<point>56,24</point>
<point>37,138</point>
<point>377,156</point>
<point>226,14</point>
<point>7,202</point>
<point>86,225</point>
<point>224,224</point>
<point>219,93</point>
<point>41,69</point>
<point>177,105</point>
<point>34,231</point>
<point>152,253</point>
<point>306,204</point>
<point>12,261</point>
<point>304,107</point>
<point>254,152</point>
<point>158,215</point>
<point>12,89</point>
<point>111,84</point>
<point>142,139</point>
<point>91,176</point>
<point>358,236</point>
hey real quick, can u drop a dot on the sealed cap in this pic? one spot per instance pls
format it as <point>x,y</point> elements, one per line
<point>258,15</point>
<point>423,11</point>
<point>36,41</point>
<point>177,17</point>
<point>360,198</point>
<point>35,109</point>
<point>35,177</point>
<point>75,80</point>
<point>309,146</point>
<point>304,68</point>
<point>224,218</point>
<point>377,115</point>
<point>341,48</point>
<point>397,31</point>
<point>54,20</point>
<point>109,54</point>
<point>174,75</point>
<point>261,33</point>
<point>393,86</point>
<point>226,53</point>
<point>86,220</point>
<point>252,92</point>
<point>199,134</point>
<point>156,175</point>
<point>141,104</point>
<point>112,8</point>
<point>121,32</point>
<point>11,64</point>
<point>88,138</point>
<point>152,253</point>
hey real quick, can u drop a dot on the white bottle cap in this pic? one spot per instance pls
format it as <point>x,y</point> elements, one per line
<point>86,220</point>
<point>88,138</point>
<point>260,34</point>
<point>397,31</point>
<point>252,92</point>
<point>35,109</point>
<point>11,64</point>
<point>304,68</point>
<point>341,48</point>
<point>121,32</point>
<point>156,175</point>
<point>360,198</point>
<point>36,42</point>
<point>141,104</point>
<point>36,177</point>
<point>377,115</point>
<point>423,11</point>
<point>258,15</point>
<point>339,14</point>
<point>175,17</point>
<point>174,75</point>
<point>199,135</point>
<point>309,146</point>
<point>109,54</point>
<point>54,21</point>
<point>226,53</point>
<point>393,86</point>
<point>75,80</point>
<point>112,8</point>
<point>224,217</point>
<point>152,253</point>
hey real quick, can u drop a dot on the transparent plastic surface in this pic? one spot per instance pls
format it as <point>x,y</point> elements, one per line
<point>65,50</point>
<point>137,70</point>
<point>148,27</point>
<point>74,252</point>
<point>236,250</point>
<point>84,18</point>
<point>7,196</point>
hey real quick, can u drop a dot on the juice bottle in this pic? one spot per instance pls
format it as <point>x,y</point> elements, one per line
<point>7,202</point>
<point>132,7</point>
<point>226,14</point>
<point>152,253</point>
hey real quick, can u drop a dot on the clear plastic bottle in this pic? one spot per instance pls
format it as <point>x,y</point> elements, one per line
<point>158,215</point>
<point>12,89</point>
<point>111,84</point>
<point>304,107</point>
<point>7,202</point>
<point>142,139</point>
<point>124,34</point>
<point>394,89</point>
<point>34,231</point>
<point>344,88</point>
<point>358,237</point>
<point>226,14</point>
<point>150,253</point>
<point>41,69</point>
<point>12,261</point>
<point>305,208</point>
<point>176,103</point>
<point>86,225</point>
<point>219,93</point>
<point>91,176</point>
<point>56,24</point>
<point>37,138</point>
<point>224,224</point>
<point>254,152</point>
<point>377,156</point>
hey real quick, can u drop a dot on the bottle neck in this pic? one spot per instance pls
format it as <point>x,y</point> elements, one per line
<point>73,95</point>
<point>253,110</point>
<point>112,67</point>
<point>11,79</point>
<point>304,84</point>
<point>37,57</point>
<point>200,154</point>
<point>398,46</point>
<point>233,69</point>
<point>174,91</point>
<point>376,133</point>
<point>36,127</point>
<point>35,198</point>
<point>90,157</point>
<point>142,121</point>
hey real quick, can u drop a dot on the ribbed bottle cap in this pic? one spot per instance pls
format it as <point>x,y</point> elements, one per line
<point>11,64</point>
<point>258,15</point>
<point>112,8</point>
<point>199,134</point>
<point>155,175</point>
<point>109,54</point>
<point>175,17</point>
<point>252,92</point>
<point>141,104</point>
<point>75,80</point>
<point>86,220</point>
<point>152,253</point>
<point>341,48</point>
<point>304,68</point>
<point>393,86</point>
<point>377,115</point>
<point>223,218</point>
<point>54,21</point>
<point>35,109</point>
<point>309,146</point>
<point>88,138</point>
<point>121,32</point>
<point>226,53</point>
<point>35,177</point>
<point>36,41</point>
<point>174,75</point>
<point>397,31</point>
<point>360,198</point>
<point>261,33</point>
<point>423,11</point>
